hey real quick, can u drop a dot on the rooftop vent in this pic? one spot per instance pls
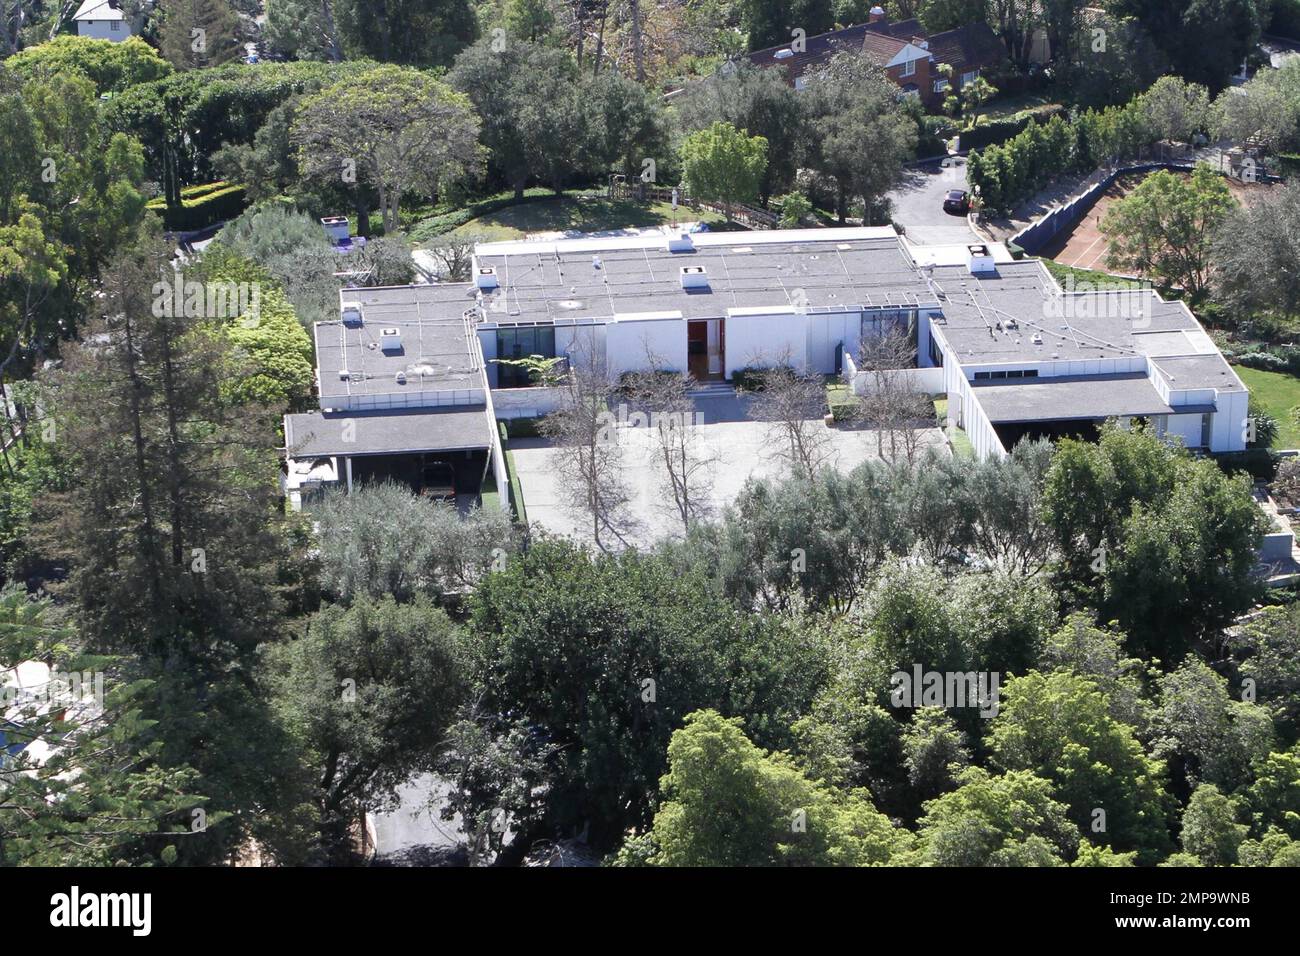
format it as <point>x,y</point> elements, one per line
<point>486,278</point>
<point>390,340</point>
<point>352,314</point>
<point>336,228</point>
<point>980,261</point>
<point>400,378</point>
<point>783,54</point>
<point>595,263</point>
<point>694,277</point>
<point>682,242</point>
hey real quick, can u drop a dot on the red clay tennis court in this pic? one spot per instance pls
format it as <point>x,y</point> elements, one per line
<point>1084,247</point>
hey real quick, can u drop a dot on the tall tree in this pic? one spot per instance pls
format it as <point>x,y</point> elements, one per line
<point>859,135</point>
<point>397,129</point>
<point>200,33</point>
<point>410,32</point>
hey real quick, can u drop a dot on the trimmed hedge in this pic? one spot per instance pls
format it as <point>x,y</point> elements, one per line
<point>1260,463</point>
<point>999,131</point>
<point>202,206</point>
<point>445,222</point>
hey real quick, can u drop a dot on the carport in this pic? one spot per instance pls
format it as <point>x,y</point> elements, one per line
<point>396,445</point>
<point>1063,407</point>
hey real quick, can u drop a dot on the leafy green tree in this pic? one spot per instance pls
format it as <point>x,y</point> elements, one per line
<point>305,29</point>
<point>1098,653</point>
<point>419,33</point>
<point>1216,738</point>
<point>795,207</point>
<point>369,691</point>
<point>760,102</point>
<point>1275,848</point>
<point>1210,830</point>
<point>531,20</point>
<point>384,540</point>
<point>858,133</point>
<point>769,23</point>
<point>1205,40</point>
<point>728,803</point>
<point>935,752</point>
<point>605,656</point>
<point>1255,262</point>
<point>1163,542</point>
<point>111,67</point>
<point>1058,726</point>
<point>532,122</point>
<point>1164,228</point>
<point>397,129</point>
<point>1176,109</point>
<point>1265,110</point>
<point>1273,798</point>
<point>723,164</point>
<point>996,821</point>
<point>272,348</point>
<point>82,784</point>
<point>199,33</point>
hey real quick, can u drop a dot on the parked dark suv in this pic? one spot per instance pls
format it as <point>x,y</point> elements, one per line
<point>957,202</point>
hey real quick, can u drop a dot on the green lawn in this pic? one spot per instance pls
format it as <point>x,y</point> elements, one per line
<point>579,214</point>
<point>961,446</point>
<point>1278,393</point>
<point>1004,107</point>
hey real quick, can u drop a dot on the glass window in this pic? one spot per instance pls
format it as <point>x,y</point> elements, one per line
<point>518,343</point>
<point>909,68</point>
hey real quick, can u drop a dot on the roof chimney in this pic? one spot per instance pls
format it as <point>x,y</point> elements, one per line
<point>877,14</point>
<point>682,242</point>
<point>694,277</point>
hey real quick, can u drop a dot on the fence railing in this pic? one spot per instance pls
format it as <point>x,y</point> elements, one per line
<point>621,188</point>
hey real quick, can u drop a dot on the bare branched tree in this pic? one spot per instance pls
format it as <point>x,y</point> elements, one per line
<point>453,254</point>
<point>891,408</point>
<point>793,402</point>
<point>687,462</point>
<point>588,459</point>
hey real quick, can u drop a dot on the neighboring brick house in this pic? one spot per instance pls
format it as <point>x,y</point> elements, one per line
<point>909,56</point>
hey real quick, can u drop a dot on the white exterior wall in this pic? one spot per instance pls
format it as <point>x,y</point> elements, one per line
<point>525,402</point>
<point>103,29</point>
<point>630,344</point>
<point>765,338</point>
<point>487,343</point>
<point>412,399</point>
<point>826,331</point>
<point>963,410</point>
<point>1186,427</point>
<point>1228,425</point>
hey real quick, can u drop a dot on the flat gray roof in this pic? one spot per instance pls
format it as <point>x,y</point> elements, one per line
<point>1072,399</point>
<point>992,319</point>
<point>388,432</point>
<point>556,281</point>
<point>437,350</point>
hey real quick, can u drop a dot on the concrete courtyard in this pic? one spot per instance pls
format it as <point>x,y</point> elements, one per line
<point>739,448</point>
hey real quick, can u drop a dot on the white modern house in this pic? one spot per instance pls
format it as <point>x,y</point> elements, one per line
<point>418,370</point>
<point>102,20</point>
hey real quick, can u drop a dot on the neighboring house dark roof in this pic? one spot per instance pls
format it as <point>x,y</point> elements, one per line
<point>903,29</point>
<point>972,47</point>
<point>819,49</point>
<point>967,48</point>
<point>389,432</point>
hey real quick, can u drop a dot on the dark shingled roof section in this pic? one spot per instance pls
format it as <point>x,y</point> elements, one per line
<point>967,48</point>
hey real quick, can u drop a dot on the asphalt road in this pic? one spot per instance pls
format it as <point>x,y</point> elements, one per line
<point>918,203</point>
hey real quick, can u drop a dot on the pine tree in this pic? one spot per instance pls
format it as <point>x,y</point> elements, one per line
<point>200,33</point>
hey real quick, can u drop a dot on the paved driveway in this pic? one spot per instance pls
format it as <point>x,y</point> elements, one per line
<point>918,203</point>
<point>737,447</point>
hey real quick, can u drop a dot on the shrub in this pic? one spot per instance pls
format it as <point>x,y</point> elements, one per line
<point>204,206</point>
